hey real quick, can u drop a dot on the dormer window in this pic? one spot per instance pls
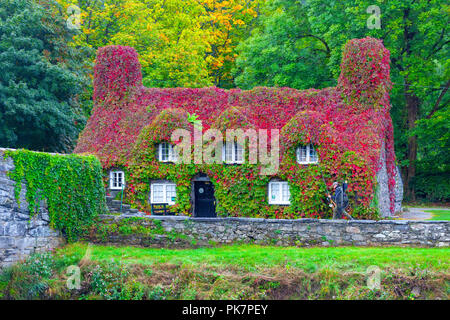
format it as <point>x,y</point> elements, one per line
<point>232,153</point>
<point>166,152</point>
<point>116,180</point>
<point>306,154</point>
<point>279,193</point>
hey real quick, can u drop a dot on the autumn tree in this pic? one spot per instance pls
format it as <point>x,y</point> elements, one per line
<point>308,36</point>
<point>228,23</point>
<point>188,43</point>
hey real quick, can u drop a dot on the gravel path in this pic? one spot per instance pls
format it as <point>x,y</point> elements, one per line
<point>418,214</point>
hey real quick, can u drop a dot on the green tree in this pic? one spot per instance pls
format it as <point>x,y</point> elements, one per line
<point>40,82</point>
<point>186,43</point>
<point>283,51</point>
<point>415,32</point>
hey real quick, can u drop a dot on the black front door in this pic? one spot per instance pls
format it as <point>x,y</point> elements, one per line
<point>204,205</point>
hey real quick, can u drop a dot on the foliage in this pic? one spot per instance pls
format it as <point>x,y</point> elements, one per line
<point>100,231</point>
<point>28,280</point>
<point>300,44</point>
<point>233,272</point>
<point>125,129</point>
<point>433,187</point>
<point>282,50</point>
<point>41,93</point>
<point>181,43</point>
<point>370,85</point>
<point>432,181</point>
<point>71,186</point>
<point>109,76</point>
<point>108,281</point>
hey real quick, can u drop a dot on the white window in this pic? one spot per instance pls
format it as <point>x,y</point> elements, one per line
<point>279,192</point>
<point>232,153</point>
<point>163,193</point>
<point>116,180</point>
<point>166,153</point>
<point>307,154</point>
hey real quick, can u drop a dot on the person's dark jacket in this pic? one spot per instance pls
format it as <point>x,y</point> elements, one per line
<point>338,198</point>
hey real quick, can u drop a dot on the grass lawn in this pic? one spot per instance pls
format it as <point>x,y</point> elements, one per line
<point>231,272</point>
<point>441,214</point>
<point>255,258</point>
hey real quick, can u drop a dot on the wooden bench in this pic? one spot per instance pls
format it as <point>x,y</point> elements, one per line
<point>161,210</point>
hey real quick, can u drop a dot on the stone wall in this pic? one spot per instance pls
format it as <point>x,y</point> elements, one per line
<point>301,232</point>
<point>20,234</point>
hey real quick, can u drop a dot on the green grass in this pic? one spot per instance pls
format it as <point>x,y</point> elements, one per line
<point>233,272</point>
<point>256,258</point>
<point>424,204</point>
<point>441,214</point>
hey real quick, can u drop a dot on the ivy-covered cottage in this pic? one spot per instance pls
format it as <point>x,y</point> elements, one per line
<point>336,133</point>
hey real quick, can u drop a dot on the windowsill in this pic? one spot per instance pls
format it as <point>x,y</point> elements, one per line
<point>116,189</point>
<point>167,203</point>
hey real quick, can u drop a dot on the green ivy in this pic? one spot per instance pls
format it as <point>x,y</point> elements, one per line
<point>71,186</point>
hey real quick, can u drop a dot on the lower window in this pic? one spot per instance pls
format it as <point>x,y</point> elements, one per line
<point>279,192</point>
<point>163,193</point>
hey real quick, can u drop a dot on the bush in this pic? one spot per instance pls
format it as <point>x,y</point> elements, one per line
<point>433,187</point>
<point>28,280</point>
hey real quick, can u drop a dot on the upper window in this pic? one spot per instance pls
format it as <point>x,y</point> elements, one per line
<point>164,192</point>
<point>116,180</point>
<point>279,192</point>
<point>232,153</point>
<point>307,154</point>
<point>166,153</point>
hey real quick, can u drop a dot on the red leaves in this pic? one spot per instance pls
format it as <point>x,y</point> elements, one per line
<point>348,124</point>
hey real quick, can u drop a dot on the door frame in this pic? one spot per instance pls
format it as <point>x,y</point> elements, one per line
<point>201,177</point>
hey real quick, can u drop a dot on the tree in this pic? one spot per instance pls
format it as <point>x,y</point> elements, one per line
<point>228,23</point>
<point>39,107</point>
<point>416,34</point>
<point>283,51</point>
<point>186,43</point>
<point>414,31</point>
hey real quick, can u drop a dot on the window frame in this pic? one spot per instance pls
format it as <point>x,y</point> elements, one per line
<point>309,148</point>
<point>279,200</point>
<point>164,186</point>
<point>234,153</point>
<point>172,156</point>
<point>111,180</point>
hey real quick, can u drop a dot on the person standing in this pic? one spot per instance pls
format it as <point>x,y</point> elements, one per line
<point>339,202</point>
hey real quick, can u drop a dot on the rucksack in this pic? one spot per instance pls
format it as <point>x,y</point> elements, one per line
<point>345,199</point>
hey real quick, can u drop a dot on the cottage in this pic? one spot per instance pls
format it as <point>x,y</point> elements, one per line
<point>320,136</point>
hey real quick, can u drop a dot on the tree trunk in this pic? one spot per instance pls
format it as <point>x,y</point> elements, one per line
<point>412,106</point>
